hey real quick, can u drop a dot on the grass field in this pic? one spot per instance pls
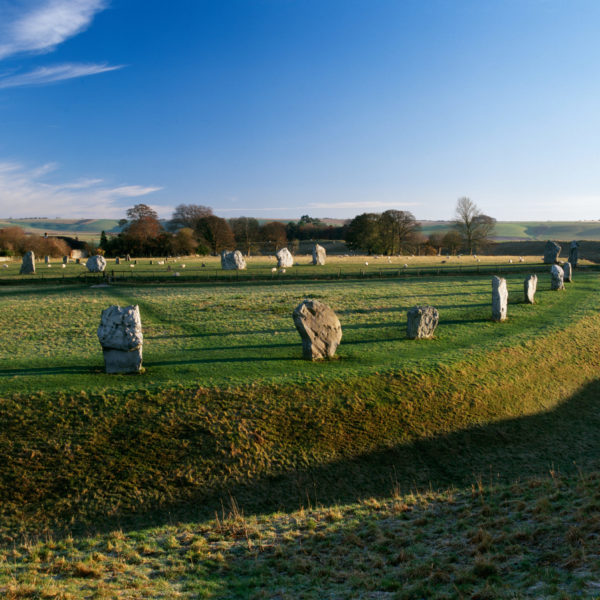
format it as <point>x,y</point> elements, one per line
<point>454,467</point>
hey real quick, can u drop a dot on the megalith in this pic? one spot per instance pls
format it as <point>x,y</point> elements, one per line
<point>574,253</point>
<point>284,258</point>
<point>499,298</point>
<point>28,263</point>
<point>558,276</point>
<point>232,260</point>
<point>421,322</point>
<point>551,252</point>
<point>568,272</point>
<point>96,264</point>
<point>530,287</point>
<point>319,329</point>
<point>120,335</point>
<point>318,255</point>
<point>65,260</point>
<point>47,259</point>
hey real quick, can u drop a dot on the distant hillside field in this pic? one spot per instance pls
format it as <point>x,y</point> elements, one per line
<point>531,230</point>
<point>84,228</point>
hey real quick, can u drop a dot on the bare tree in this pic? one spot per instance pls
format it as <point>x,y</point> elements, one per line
<point>473,226</point>
<point>189,215</point>
<point>141,211</point>
<point>246,231</point>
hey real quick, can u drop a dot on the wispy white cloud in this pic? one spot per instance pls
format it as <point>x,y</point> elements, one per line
<point>43,75</point>
<point>41,25</point>
<point>23,192</point>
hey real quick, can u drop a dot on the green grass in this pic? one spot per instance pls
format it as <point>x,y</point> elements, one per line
<point>110,482</point>
<point>535,538</point>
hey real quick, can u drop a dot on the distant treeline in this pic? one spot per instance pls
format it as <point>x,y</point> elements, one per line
<point>194,229</point>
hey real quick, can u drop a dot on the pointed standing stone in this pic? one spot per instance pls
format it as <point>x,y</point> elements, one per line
<point>574,253</point>
<point>551,252</point>
<point>530,286</point>
<point>568,272</point>
<point>558,277</point>
<point>318,255</point>
<point>284,258</point>
<point>28,264</point>
<point>499,298</point>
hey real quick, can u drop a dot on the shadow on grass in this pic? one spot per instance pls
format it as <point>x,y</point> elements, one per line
<point>565,439</point>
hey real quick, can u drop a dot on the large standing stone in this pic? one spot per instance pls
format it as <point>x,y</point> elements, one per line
<point>120,335</point>
<point>568,272</point>
<point>499,298</point>
<point>319,329</point>
<point>574,253</point>
<point>28,264</point>
<point>284,258</point>
<point>319,255</point>
<point>96,264</point>
<point>232,260</point>
<point>530,286</point>
<point>558,276</point>
<point>551,252</point>
<point>421,322</point>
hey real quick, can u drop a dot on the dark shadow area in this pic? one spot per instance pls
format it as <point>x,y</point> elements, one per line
<point>565,440</point>
<point>73,370</point>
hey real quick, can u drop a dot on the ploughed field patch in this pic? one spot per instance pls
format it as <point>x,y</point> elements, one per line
<point>228,412</point>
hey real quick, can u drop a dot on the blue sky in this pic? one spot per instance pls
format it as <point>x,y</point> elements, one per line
<point>278,108</point>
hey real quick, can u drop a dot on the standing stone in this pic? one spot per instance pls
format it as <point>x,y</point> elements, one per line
<point>319,329</point>
<point>47,259</point>
<point>574,253</point>
<point>499,298</point>
<point>551,252</point>
<point>120,335</point>
<point>117,261</point>
<point>284,258</point>
<point>96,264</point>
<point>128,258</point>
<point>530,286</point>
<point>558,276</point>
<point>318,255</point>
<point>568,272</point>
<point>77,261</point>
<point>65,260</point>
<point>232,261</point>
<point>421,322</point>
<point>28,264</point>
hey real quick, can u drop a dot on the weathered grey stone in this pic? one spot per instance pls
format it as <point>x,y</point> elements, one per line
<point>46,259</point>
<point>499,298</point>
<point>28,263</point>
<point>558,276</point>
<point>284,258</point>
<point>530,286</point>
<point>128,258</point>
<point>421,322</point>
<point>96,264</point>
<point>568,272</point>
<point>65,260</point>
<point>232,260</point>
<point>551,252</point>
<point>121,338</point>
<point>117,261</point>
<point>318,255</point>
<point>77,261</point>
<point>574,253</point>
<point>319,329</point>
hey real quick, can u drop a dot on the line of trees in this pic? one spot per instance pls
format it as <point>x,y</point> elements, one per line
<point>195,229</point>
<point>15,242</point>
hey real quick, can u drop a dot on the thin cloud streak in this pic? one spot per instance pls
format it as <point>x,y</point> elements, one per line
<point>361,205</point>
<point>22,190</point>
<point>44,75</point>
<point>44,24</point>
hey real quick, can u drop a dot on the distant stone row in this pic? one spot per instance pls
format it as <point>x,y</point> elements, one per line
<point>235,261</point>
